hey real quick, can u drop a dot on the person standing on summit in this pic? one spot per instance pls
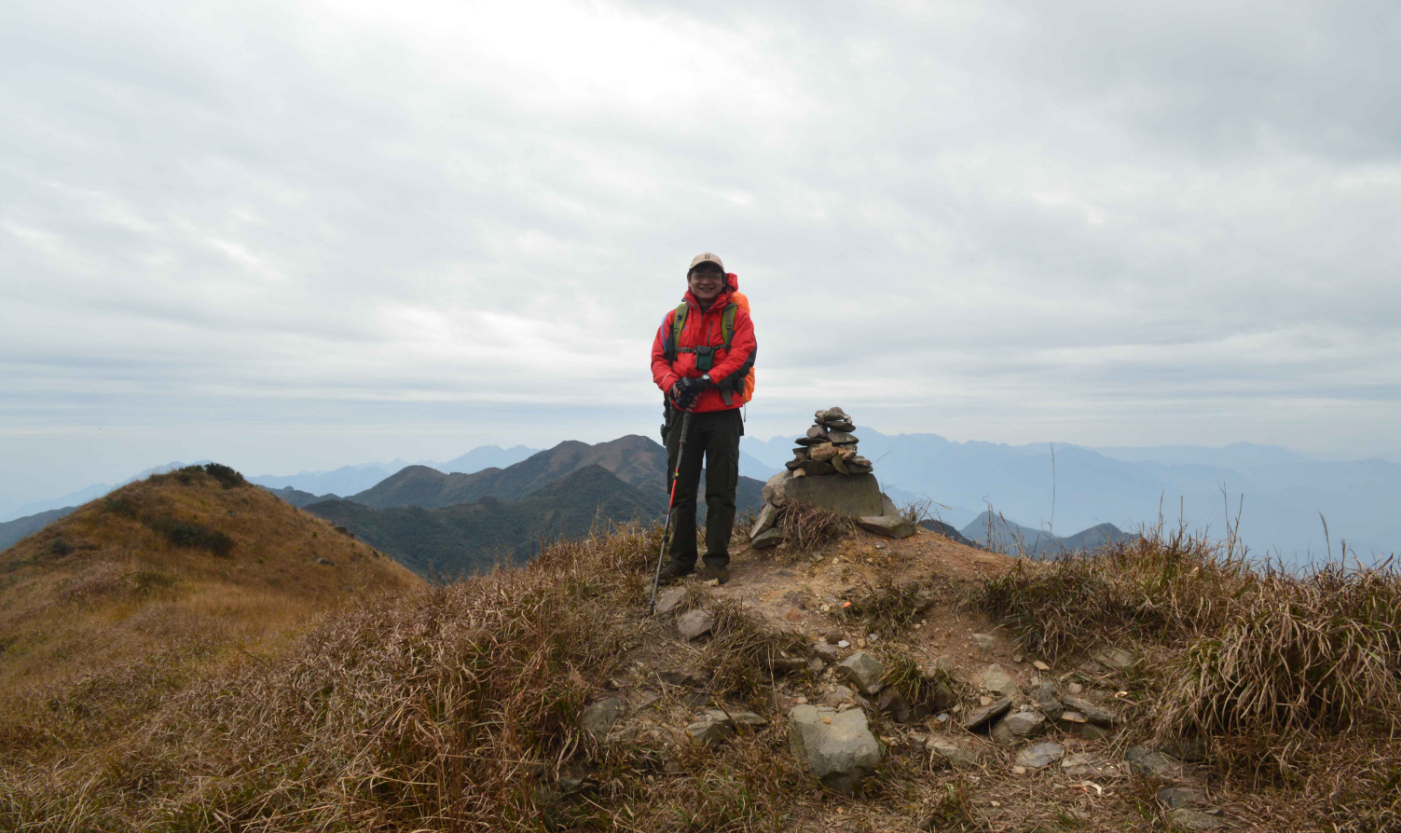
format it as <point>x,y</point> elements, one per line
<point>703,361</point>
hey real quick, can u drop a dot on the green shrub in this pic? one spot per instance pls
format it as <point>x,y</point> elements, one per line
<point>121,505</point>
<point>193,535</point>
<point>227,477</point>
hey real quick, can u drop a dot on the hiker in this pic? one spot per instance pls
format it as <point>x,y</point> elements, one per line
<point>703,360</point>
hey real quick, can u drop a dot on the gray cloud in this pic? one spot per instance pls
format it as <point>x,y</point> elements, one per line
<point>1086,221</point>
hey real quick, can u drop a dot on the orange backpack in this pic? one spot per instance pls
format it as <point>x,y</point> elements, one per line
<point>738,387</point>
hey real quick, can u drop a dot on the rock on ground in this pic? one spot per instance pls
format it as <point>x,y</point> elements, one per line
<point>716,725</point>
<point>1040,755</point>
<point>835,747</point>
<point>1015,728</point>
<point>863,671</point>
<point>1050,704</point>
<point>668,599</point>
<point>768,516</point>
<point>767,539</point>
<point>695,623</point>
<point>955,755</point>
<point>1150,763</point>
<point>995,709</point>
<point>598,719</point>
<point>1093,713</point>
<point>996,680</point>
<point>890,522</point>
<point>1116,658</point>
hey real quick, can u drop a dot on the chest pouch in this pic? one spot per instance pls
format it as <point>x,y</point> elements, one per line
<point>705,358</point>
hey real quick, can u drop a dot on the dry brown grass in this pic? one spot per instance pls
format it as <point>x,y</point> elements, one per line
<point>1155,588</point>
<point>453,710</point>
<point>807,528</point>
<point>1294,680</point>
<point>98,631</point>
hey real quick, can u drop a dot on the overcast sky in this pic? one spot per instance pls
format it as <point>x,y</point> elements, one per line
<point>290,235</point>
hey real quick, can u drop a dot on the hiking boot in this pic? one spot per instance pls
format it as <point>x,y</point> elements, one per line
<point>719,574</point>
<point>672,573</point>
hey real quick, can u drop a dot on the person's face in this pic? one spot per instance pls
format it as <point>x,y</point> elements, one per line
<point>706,282</point>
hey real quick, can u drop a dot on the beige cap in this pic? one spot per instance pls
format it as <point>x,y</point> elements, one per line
<point>706,257</point>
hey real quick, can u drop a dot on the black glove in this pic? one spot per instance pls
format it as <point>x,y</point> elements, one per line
<point>689,390</point>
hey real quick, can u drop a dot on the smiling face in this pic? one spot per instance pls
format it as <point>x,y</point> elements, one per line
<point>706,282</point>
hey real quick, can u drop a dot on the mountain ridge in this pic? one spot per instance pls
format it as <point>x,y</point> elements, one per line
<point>446,542</point>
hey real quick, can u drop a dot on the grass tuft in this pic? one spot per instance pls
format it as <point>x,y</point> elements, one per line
<point>807,528</point>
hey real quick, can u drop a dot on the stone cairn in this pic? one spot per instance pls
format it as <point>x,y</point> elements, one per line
<point>829,447</point>
<point>827,471</point>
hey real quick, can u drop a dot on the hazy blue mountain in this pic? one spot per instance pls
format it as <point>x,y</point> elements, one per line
<point>486,457</point>
<point>11,532</point>
<point>1234,456</point>
<point>995,532</point>
<point>299,498</point>
<point>948,531</point>
<point>346,480</point>
<point>752,467</point>
<point>1284,492</point>
<point>84,495</point>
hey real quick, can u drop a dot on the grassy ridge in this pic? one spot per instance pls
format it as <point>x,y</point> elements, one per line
<point>106,613</point>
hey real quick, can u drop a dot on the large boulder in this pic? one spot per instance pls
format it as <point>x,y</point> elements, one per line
<point>836,747</point>
<point>857,496</point>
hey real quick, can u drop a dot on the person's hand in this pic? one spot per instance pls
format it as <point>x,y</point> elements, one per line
<point>687,391</point>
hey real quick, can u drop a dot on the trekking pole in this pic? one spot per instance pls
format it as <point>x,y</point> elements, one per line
<point>670,510</point>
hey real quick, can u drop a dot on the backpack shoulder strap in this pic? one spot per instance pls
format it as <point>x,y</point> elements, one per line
<point>727,324</point>
<point>678,322</point>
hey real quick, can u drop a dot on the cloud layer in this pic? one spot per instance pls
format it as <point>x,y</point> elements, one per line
<point>238,225</point>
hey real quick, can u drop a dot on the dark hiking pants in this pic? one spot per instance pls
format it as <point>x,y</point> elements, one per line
<point>714,436</point>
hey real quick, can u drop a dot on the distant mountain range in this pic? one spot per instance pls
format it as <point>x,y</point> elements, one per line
<point>1284,492</point>
<point>996,533</point>
<point>349,480</point>
<point>73,500</point>
<point>446,525</point>
<point>635,460</point>
<point>13,531</point>
<point>450,541</point>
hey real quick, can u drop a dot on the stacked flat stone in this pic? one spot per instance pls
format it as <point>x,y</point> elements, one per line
<point>827,471</point>
<point>829,447</point>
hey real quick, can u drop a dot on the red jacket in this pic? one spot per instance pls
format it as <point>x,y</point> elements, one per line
<point>703,329</point>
